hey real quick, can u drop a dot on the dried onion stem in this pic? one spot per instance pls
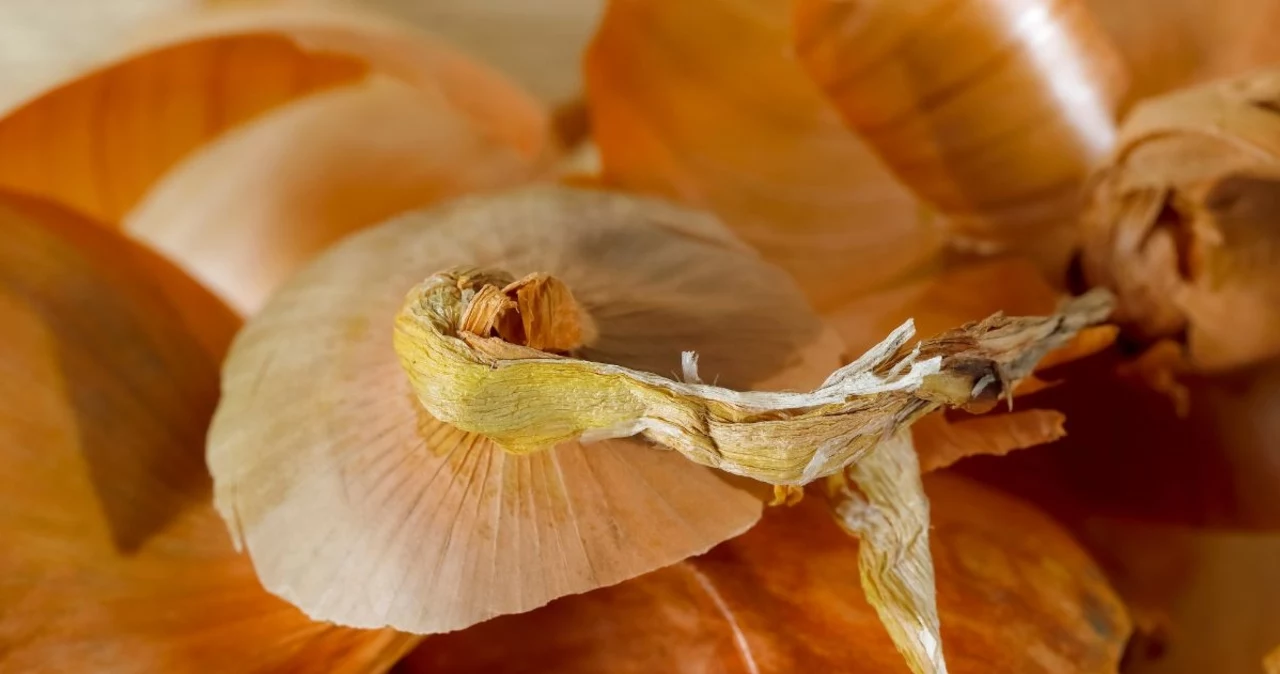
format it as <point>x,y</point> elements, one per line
<point>527,400</point>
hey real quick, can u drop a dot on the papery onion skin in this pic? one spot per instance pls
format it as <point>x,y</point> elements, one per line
<point>320,443</point>
<point>1181,221</point>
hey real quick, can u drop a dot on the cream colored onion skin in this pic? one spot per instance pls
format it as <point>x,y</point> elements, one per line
<point>361,509</point>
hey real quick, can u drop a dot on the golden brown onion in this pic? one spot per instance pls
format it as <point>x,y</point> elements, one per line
<point>1181,221</point>
<point>113,559</point>
<point>1204,600</point>
<point>702,101</point>
<point>359,507</point>
<point>1016,596</point>
<point>991,110</point>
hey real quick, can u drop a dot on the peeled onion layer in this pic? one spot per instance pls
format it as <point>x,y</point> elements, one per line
<point>1015,593</point>
<point>359,507</point>
<point>113,559</point>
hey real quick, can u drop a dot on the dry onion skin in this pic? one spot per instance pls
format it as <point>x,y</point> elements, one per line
<point>471,344</point>
<point>360,508</point>
<point>464,490</point>
<point>1180,221</point>
<point>1015,593</point>
<point>991,110</point>
<point>241,140</point>
<point>538,45</point>
<point>113,558</point>
<point>955,296</point>
<point>327,456</point>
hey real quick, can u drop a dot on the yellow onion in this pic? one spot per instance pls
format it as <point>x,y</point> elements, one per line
<point>991,110</point>
<point>241,140</point>
<point>113,557</point>
<point>702,101</point>
<point>1203,599</point>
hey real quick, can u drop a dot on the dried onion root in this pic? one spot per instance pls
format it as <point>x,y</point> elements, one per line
<point>324,453</point>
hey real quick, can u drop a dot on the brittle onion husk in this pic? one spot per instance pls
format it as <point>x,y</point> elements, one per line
<point>881,500</point>
<point>1181,221</point>
<point>361,508</point>
<point>113,559</point>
